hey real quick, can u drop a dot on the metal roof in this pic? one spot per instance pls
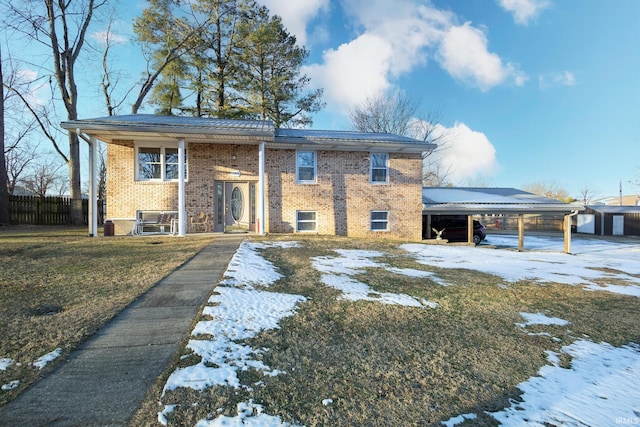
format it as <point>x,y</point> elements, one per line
<point>606,209</point>
<point>198,129</point>
<point>471,200</point>
<point>349,140</point>
<point>133,126</point>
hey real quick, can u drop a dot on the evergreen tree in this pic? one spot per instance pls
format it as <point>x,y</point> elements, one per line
<point>271,81</point>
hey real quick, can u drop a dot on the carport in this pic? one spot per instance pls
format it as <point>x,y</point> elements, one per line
<point>470,201</point>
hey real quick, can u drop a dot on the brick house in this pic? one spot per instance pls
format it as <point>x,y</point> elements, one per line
<point>249,176</point>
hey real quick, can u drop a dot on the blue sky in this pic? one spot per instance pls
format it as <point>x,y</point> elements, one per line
<point>534,91</point>
<point>529,91</point>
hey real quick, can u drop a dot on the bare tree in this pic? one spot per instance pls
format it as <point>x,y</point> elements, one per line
<point>5,207</point>
<point>399,114</point>
<point>551,190</point>
<point>586,195</point>
<point>389,113</point>
<point>44,178</point>
<point>61,26</point>
<point>18,160</point>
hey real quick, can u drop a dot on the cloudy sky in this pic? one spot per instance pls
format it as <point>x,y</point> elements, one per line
<point>527,91</point>
<point>532,91</point>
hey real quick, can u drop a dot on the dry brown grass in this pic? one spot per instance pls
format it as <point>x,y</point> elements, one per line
<point>58,287</point>
<point>386,365</point>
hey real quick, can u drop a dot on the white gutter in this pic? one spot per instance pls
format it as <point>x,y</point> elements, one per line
<point>93,176</point>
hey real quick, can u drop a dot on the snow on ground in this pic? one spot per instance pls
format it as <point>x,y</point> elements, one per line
<point>337,271</point>
<point>238,310</point>
<point>599,388</point>
<point>542,261</point>
<point>42,361</point>
<point>5,363</point>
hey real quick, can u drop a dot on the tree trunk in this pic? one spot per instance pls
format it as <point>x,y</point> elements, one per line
<point>5,207</point>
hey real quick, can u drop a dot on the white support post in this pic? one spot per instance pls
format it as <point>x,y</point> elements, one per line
<point>93,188</point>
<point>181,206</point>
<point>261,187</point>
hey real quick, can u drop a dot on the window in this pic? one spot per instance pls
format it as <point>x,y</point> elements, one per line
<point>306,221</point>
<point>379,168</point>
<point>306,167</point>
<point>158,163</point>
<point>379,221</point>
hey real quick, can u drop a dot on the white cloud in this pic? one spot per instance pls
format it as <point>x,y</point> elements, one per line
<point>296,14</point>
<point>393,39</point>
<point>524,11</point>
<point>103,36</point>
<point>564,78</point>
<point>466,154</point>
<point>464,54</point>
<point>353,71</point>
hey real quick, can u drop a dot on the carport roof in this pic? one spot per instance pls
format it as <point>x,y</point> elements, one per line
<point>472,200</point>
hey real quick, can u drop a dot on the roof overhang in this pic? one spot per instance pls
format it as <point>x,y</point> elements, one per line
<point>137,127</point>
<point>192,129</point>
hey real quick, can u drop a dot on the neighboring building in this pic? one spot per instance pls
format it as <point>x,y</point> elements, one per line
<point>250,176</point>
<point>628,200</point>
<point>610,220</point>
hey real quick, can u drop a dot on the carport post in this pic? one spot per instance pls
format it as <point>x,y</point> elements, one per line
<point>520,232</point>
<point>470,229</point>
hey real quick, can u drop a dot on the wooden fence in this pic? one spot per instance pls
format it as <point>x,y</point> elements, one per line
<point>35,210</point>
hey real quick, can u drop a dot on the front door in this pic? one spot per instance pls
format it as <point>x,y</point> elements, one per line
<point>233,206</point>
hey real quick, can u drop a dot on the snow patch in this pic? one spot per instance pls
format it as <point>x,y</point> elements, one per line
<point>42,361</point>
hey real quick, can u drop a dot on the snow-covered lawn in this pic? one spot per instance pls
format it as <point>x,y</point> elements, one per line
<point>600,387</point>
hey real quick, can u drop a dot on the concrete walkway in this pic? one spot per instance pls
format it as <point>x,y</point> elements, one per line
<point>104,381</point>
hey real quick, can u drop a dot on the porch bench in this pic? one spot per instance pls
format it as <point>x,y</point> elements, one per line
<point>157,221</point>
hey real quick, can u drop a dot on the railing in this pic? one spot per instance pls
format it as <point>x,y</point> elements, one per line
<point>35,210</point>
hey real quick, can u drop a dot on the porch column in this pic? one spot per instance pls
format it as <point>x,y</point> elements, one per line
<point>261,208</point>
<point>181,210</point>
<point>520,232</point>
<point>567,234</point>
<point>93,196</point>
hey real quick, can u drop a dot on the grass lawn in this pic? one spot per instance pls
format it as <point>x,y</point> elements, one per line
<point>58,287</point>
<point>389,365</point>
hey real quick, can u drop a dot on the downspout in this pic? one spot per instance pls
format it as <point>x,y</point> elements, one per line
<point>93,188</point>
<point>93,200</point>
<point>181,206</point>
<point>261,187</point>
<point>567,231</point>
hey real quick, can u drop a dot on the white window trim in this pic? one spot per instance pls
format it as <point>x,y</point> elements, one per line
<point>315,168</point>
<point>371,181</point>
<point>315,230</point>
<point>163,158</point>
<point>371,221</point>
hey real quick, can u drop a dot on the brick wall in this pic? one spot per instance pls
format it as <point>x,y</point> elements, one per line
<point>342,196</point>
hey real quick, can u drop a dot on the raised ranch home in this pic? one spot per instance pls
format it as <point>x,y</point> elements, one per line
<point>186,174</point>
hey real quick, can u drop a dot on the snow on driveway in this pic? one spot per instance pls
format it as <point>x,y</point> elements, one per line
<point>600,387</point>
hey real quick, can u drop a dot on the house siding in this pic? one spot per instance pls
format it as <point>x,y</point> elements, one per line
<point>342,196</point>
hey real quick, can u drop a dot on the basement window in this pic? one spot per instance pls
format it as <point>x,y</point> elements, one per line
<point>379,221</point>
<point>306,221</point>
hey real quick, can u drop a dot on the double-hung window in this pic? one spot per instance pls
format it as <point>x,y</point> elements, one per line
<point>158,163</point>
<point>306,221</point>
<point>379,221</point>
<point>306,167</point>
<point>379,169</point>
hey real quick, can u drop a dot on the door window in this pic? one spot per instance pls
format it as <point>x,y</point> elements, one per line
<point>237,207</point>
